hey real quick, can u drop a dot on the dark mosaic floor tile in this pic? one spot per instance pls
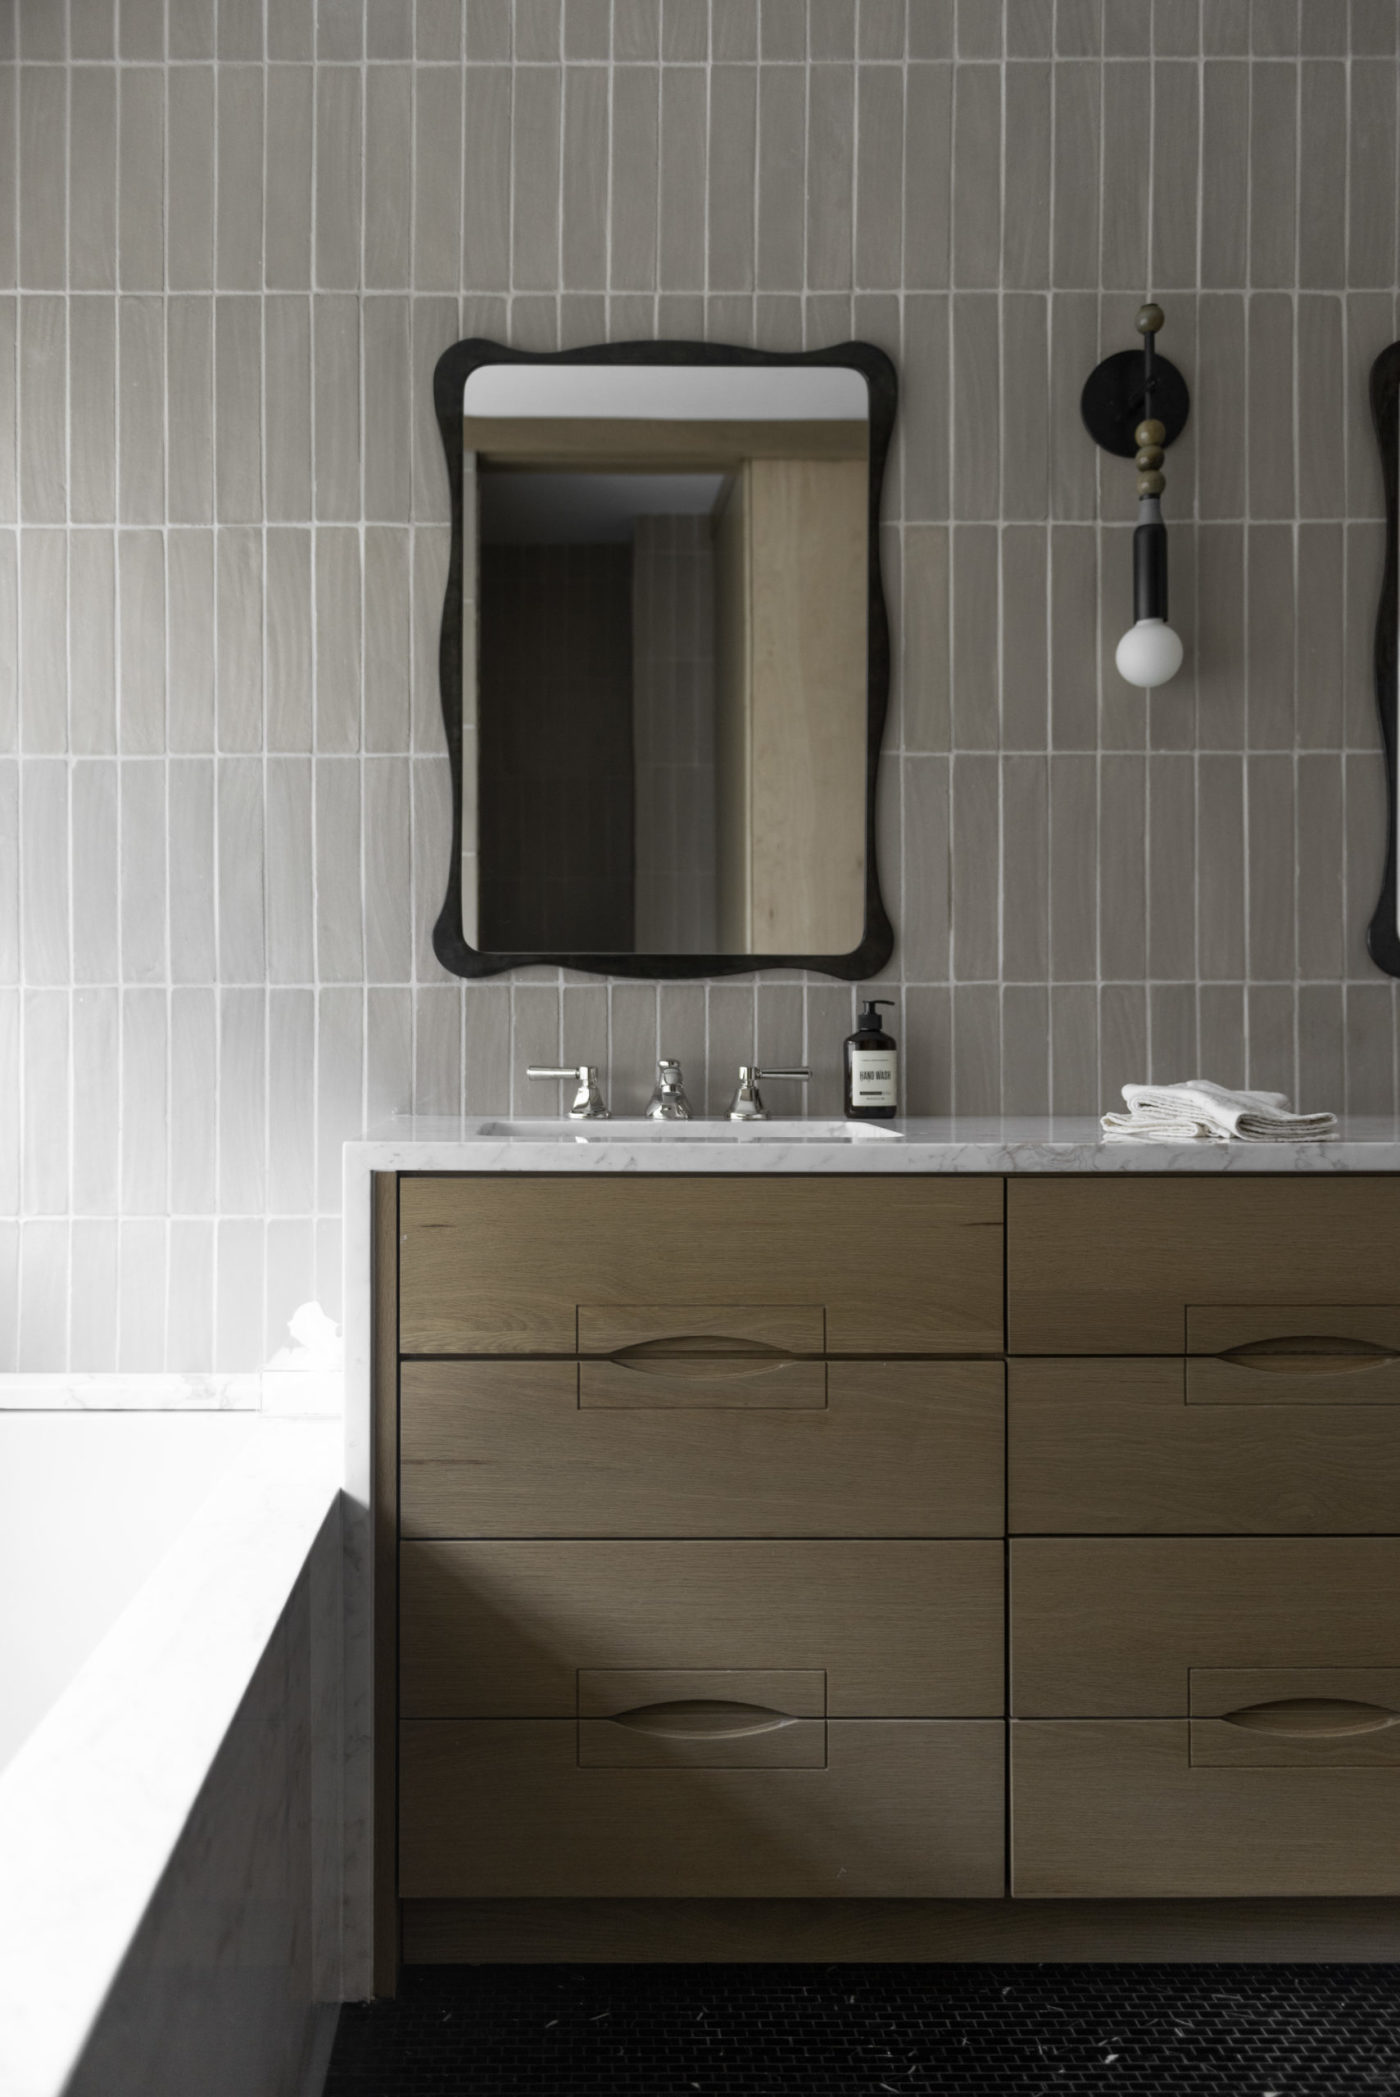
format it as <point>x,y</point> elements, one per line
<point>857,2031</point>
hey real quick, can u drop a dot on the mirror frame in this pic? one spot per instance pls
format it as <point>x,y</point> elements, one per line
<point>1383,932</point>
<point>877,941</point>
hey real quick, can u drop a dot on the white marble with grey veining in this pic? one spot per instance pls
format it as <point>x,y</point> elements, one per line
<point>426,1144</point>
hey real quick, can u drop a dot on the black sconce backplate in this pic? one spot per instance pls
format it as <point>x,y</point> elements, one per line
<point>1113,402</point>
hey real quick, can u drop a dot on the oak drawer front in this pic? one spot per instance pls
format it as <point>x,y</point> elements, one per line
<point>900,1808</point>
<point>1113,1627</point>
<point>502,1630</point>
<point>505,1265</point>
<point>1115,1445</point>
<point>1110,1265</point>
<point>558,1448</point>
<point>1117,1808</point>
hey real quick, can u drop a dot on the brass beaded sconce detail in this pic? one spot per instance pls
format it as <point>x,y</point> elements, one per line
<point>1135,404</point>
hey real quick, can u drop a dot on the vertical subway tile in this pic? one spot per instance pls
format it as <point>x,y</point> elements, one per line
<point>1122,865</point>
<point>144,1123</point>
<point>879,176</point>
<point>43,438</point>
<point>830,154</point>
<point>190,640</point>
<point>1370,1048</point>
<point>1320,630</point>
<point>1025,1049</point>
<point>486,200</point>
<point>976,175</point>
<point>1371,134</point>
<point>437,144</point>
<point>141,411</point>
<point>388,638</point>
<point>337,178</point>
<point>290,124</point>
<point>975,850</point>
<point>976,1047</point>
<point>1126,94</point>
<point>239,652</point>
<point>238,241</point>
<point>92,234</point>
<point>1224,174</point>
<point>1322,151</point>
<point>9,175</point>
<point>1170,950</point>
<point>45,1135</point>
<point>189,367</point>
<point>339,938</point>
<point>291,954</point>
<point>291,1131</point>
<point>143,872</point>
<point>92,642</point>
<point>43,721</point>
<point>1026,225</point>
<point>535,182</point>
<point>239,1268</point>
<point>925,920</point>
<point>1271,595</point>
<point>976,404</point>
<point>141,618</point>
<point>732,153</point>
<point>242,946</point>
<point>1024,409</point>
<point>974,590</point>
<point>1176,149</point>
<point>388,888</point>
<point>1123,1037</point>
<point>1025,882</point>
<point>1171,1031</point>
<point>242,1099</point>
<point>1321,425</point>
<point>141,170</point>
<point>193,950</point>
<point>237,393</point>
<point>9,641</point>
<point>190,1332</point>
<point>1271,868</point>
<point>290,593</point>
<point>681,188</point>
<point>388,157</point>
<point>287,408</point>
<point>96,881</point>
<point>927,176</point>
<point>9,436</point>
<point>338,693</point>
<point>1320,833</point>
<point>782,124</point>
<point>43,178</point>
<point>1273,174</point>
<point>336,368</point>
<point>583,244</point>
<point>1078,143</point>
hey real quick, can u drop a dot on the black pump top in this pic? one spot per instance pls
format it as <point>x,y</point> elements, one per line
<point>869,1021</point>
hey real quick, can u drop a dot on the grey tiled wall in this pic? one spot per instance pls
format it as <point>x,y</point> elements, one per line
<point>241,234</point>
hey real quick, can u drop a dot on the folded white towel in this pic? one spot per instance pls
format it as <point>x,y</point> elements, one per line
<point>1199,1111</point>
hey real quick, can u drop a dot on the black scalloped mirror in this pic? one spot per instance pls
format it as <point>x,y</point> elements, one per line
<point>665,658</point>
<point>1383,933</point>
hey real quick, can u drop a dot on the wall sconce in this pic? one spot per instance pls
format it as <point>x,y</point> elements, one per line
<point>1135,404</point>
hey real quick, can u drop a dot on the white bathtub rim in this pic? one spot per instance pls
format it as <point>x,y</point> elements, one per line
<point>95,1800</point>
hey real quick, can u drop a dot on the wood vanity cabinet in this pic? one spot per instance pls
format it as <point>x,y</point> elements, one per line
<point>1204,1513</point>
<point>698,1498</point>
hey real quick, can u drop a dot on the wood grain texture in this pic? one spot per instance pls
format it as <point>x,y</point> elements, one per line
<point>902,1630</point>
<point>607,444</point>
<point>701,1382</point>
<point>807,704</point>
<point>1115,1808</point>
<point>796,1328</point>
<point>1108,1265</point>
<point>499,1264</point>
<point>385,1531</point>
<point>1114,1445</point>
<point>499,1449</point>
<point>638,1932</point>
<point>1109,1626</point>
<point>903,1808</point>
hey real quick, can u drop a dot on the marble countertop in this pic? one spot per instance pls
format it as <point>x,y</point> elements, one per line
<point>1011,1145</point>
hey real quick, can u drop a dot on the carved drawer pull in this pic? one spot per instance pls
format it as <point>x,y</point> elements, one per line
<point>1309,1354</point>
<point>702,1718</point>
<point>1312,1718</point>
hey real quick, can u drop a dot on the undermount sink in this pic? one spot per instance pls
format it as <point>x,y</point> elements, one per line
<point>619,1130</point>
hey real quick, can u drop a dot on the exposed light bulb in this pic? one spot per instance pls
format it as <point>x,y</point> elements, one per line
<point>1149,653</point>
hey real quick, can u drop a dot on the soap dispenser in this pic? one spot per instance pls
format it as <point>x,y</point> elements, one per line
<point>872,1067</point>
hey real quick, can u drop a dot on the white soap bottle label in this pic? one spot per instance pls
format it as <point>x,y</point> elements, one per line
<point>875,1077</point>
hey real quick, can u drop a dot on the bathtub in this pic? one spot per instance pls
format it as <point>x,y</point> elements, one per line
<point>170,1831</point>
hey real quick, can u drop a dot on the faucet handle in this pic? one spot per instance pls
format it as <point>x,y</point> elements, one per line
<point>588,1104</point>
<point>668,1102</point>
<point>747,1103</point>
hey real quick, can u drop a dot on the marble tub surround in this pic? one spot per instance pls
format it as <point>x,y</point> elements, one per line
<point>169,1833</point>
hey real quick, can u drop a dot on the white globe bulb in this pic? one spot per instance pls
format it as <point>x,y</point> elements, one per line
<point>1149,653</point>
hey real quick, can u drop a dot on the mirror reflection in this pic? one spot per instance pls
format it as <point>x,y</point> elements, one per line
<point>666,583</point>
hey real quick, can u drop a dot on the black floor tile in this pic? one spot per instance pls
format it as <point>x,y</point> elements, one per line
<point>856,2031</point>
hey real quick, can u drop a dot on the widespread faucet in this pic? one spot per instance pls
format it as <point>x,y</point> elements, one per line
<point>747,1103</point>
<point>588,1102</point>
<point>668,1102</point>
